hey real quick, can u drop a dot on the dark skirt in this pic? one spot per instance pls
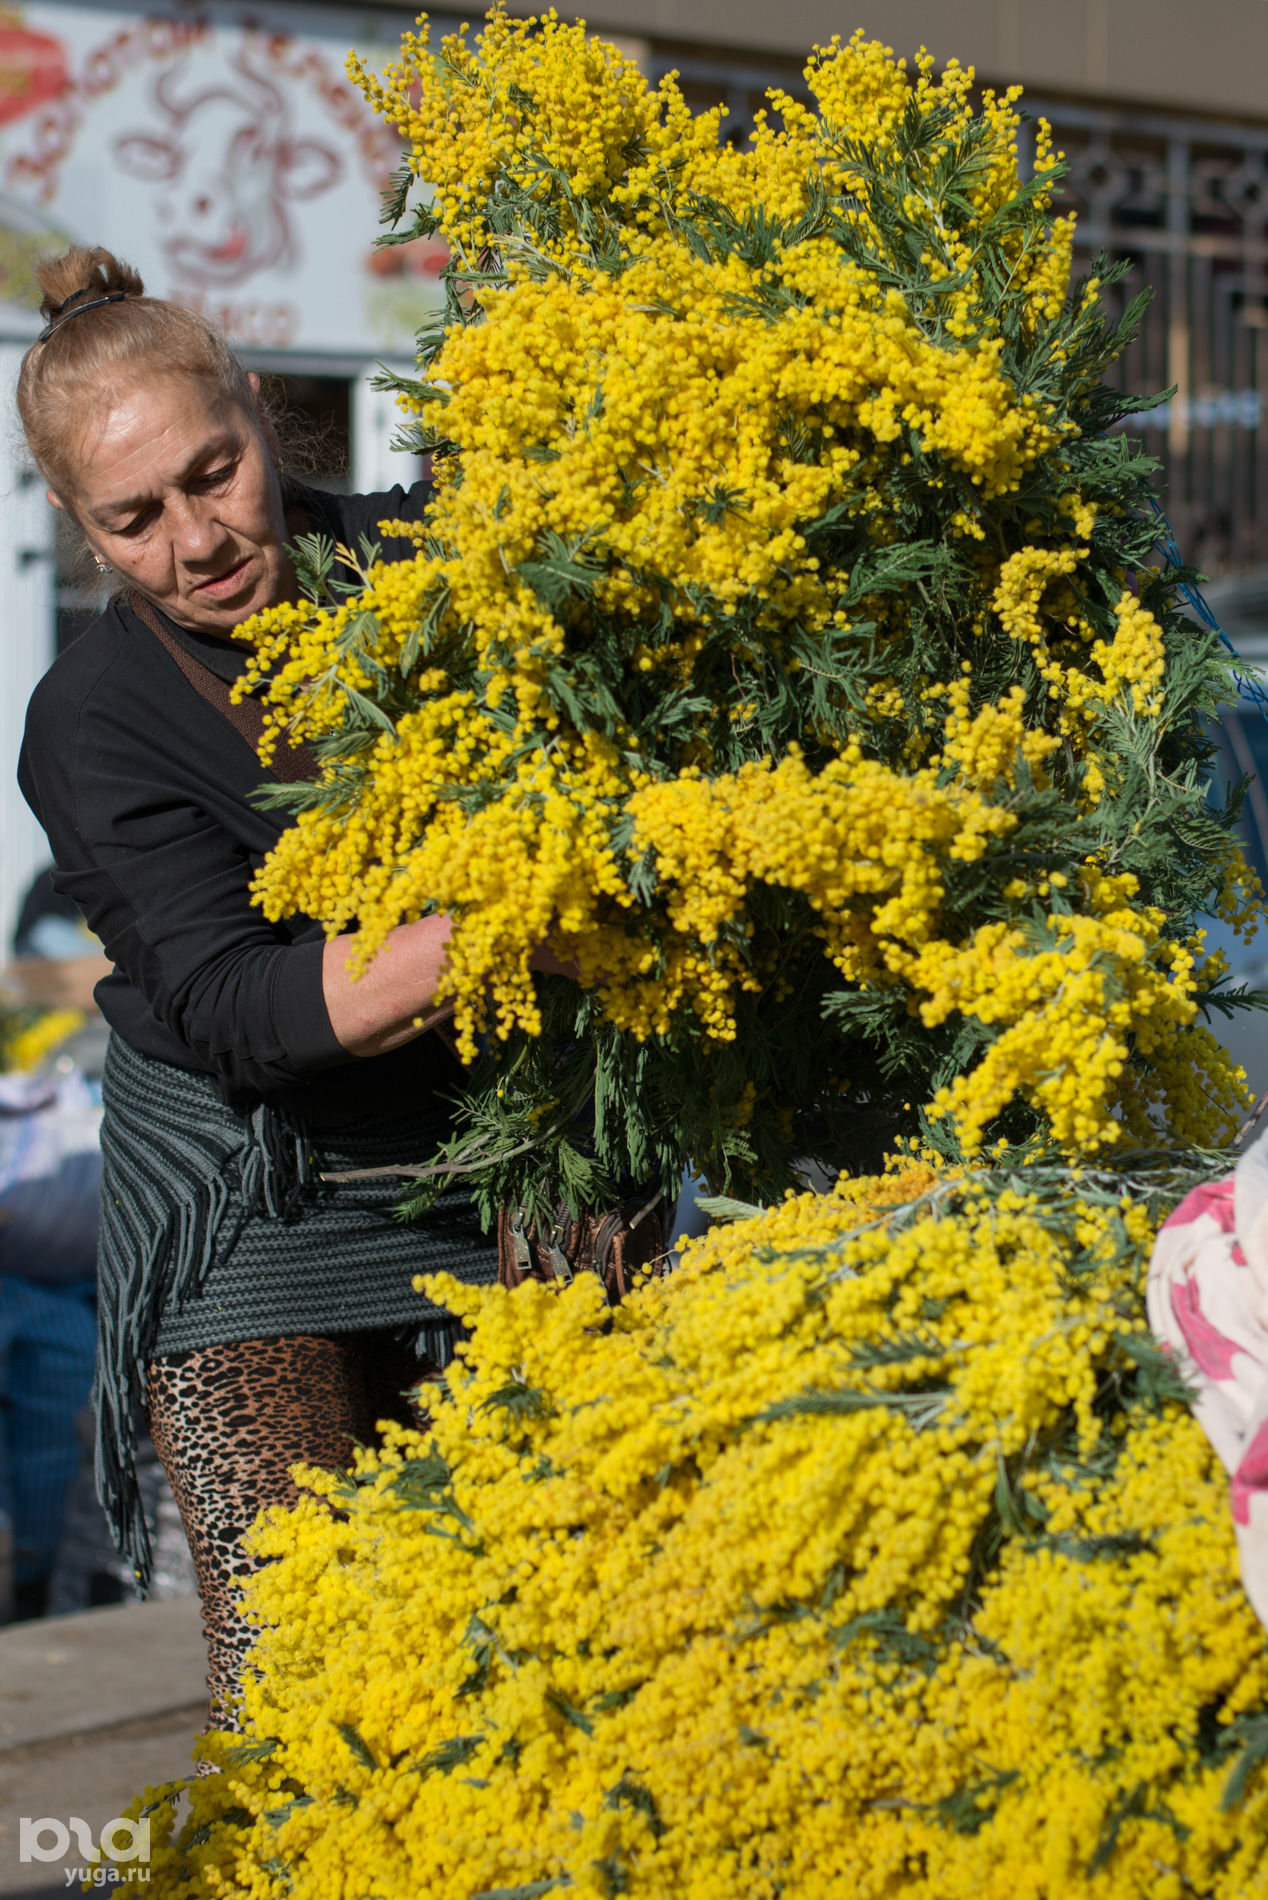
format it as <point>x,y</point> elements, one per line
<point>216,1227</point>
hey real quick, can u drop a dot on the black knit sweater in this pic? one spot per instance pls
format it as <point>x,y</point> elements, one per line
<point>145,791</point>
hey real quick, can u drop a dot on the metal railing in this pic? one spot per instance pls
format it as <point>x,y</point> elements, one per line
<point>1186,201</point>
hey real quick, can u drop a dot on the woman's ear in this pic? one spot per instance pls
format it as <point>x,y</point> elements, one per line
<point>55,501</point>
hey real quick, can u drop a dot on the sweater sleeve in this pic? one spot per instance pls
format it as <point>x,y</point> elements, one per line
<point>166,889</point>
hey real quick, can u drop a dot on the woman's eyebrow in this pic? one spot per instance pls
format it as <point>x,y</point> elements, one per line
<point>127,504</point>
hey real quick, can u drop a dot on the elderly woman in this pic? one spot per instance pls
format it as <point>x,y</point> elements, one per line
<point>260,1315</point>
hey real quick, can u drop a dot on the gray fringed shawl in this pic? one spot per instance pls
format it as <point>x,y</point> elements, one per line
<point>215,1227</point>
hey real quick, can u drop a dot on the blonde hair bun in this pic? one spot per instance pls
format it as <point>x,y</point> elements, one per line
<point>84,271</point>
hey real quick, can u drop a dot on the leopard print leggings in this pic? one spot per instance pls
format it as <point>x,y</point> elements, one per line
<point>228,1422</point>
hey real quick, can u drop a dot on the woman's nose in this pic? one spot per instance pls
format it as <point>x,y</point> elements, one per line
<point>196,534</point>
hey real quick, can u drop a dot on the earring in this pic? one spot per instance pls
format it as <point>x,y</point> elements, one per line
<point>103,567</point>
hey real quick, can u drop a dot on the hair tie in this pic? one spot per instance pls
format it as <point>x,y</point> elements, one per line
<point>64,316</point>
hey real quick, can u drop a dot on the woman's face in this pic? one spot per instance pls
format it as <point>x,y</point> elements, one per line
<point>176,487</point>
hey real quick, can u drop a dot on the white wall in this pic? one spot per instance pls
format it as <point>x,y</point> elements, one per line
<point>375,420</point>
<point>26,641</point>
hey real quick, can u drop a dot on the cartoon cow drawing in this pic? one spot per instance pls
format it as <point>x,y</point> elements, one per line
<point>228,170</point>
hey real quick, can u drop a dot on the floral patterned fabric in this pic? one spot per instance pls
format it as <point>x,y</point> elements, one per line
<point>1208,1302</point>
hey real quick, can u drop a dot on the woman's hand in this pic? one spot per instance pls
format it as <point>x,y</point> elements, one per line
<point>546,963</point>
<point>395,999</point>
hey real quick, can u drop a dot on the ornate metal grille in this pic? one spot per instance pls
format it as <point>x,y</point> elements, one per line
<point>1185,200</point>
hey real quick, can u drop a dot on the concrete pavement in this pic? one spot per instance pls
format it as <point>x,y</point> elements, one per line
<point>92,1709</point>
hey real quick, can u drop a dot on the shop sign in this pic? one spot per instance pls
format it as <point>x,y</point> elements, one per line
<point>221,150</point>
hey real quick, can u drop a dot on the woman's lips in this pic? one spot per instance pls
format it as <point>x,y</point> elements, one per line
<point>223,586</point>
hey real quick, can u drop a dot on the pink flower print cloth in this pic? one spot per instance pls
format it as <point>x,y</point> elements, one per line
<point>1207,1296</point>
